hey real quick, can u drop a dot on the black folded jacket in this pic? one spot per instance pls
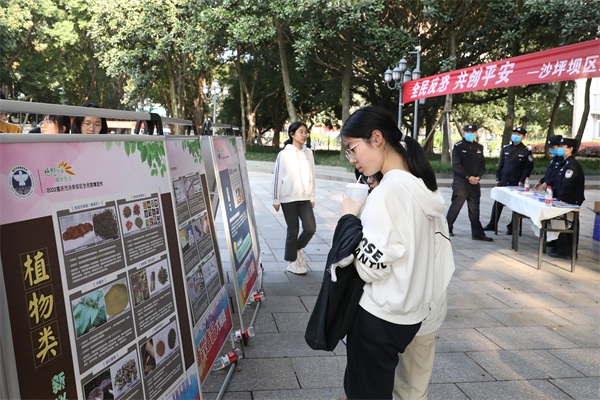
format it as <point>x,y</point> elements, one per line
<point>337,302</point>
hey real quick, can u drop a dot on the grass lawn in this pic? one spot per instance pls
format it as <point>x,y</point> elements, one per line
<point>591,166</point>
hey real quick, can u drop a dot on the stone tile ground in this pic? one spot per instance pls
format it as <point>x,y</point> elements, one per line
<point>512,332</point>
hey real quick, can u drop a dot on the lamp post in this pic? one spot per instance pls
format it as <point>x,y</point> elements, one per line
<point>416,74</point>
<point>401,75</point>
<point>216,93</point>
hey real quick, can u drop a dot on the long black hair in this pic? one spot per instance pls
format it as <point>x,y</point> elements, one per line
<point>77,121</point>
<point>60,120</point>
<point>364,121</point>
<point>292,129</point>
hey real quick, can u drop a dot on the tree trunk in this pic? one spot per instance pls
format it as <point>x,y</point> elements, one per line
<point>277,122</point>
<point>509,118</point>
<point>199,102</point>
<point>586,110</point>
<point>346,84</point>
<point>448,105</point>
<point>430,119</point>
<point>241,80</point>
<point>285,73</point>
<point>554,113</point>
<point>119,92</point>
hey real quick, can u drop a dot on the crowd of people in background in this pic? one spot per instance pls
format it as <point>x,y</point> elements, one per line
<point>53,124</point>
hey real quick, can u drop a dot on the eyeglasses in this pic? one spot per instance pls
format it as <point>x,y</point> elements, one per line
<point>46,123</point>
<point>87,125</point>
<point>350,154</point>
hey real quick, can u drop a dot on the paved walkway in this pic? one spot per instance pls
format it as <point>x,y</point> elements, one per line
<point>512,332</point>
<point>342,175</point>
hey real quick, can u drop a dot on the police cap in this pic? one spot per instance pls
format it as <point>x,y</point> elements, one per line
<point>520,130</point>
<point>569,142</point>
<point>470,128</point>
<point>554,141</point>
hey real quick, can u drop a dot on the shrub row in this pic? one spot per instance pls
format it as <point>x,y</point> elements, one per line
<point>586,149</point>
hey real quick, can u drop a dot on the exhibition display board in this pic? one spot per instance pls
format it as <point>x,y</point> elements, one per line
<point>233,198</point>
<point>207,302</point>
<point>110,277</point>
<point>250,205</point>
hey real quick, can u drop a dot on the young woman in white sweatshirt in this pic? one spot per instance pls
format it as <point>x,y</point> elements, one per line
<point>396,257</point>
<point>294,191</point>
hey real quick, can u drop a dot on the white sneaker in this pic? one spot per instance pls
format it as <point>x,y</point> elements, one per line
<point>297,269</point>
<point>300,260</point>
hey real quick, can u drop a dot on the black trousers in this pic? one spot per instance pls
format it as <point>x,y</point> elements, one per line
<point>463,191</point>
<point>500,207</point>
<point>563,244</point>
<point>292,211</point>
<point>372,354</point>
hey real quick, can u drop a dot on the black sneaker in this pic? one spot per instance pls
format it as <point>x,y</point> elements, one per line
<point>451,233</point>
<point>489,227</point>
<point>483,238</point>
<point>559,254</point>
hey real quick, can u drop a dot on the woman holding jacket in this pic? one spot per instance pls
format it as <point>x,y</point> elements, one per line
<point>294,192</point>
<point>404,259</point>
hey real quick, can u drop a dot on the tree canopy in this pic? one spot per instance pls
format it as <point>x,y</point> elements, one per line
<point>311,60</point>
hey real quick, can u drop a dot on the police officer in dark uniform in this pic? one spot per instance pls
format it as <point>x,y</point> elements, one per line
<point>468,162</point>
<point>515,164</point>
<point>569,187</point>
<point>553,167</point>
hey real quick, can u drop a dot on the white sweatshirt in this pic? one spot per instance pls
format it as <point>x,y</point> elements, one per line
<point>396,258</point>
<point>294,175</point>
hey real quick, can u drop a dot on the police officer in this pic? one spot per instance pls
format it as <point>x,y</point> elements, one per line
<point>515,164</point>
<point>553,167</point>
<point>469,166</point>
<point>569,187</point>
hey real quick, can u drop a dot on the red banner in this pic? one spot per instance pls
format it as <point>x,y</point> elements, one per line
<point>581,60</point>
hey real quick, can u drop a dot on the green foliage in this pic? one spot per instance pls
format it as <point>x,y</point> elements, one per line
<point>152,153</point>
<point>193,147</point>
<point>90,312</point>
<point>47,54</point>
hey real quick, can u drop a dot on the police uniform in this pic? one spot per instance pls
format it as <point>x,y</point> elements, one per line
<point>569,187</point>
<point>468,161</point>
<point>555,164</point>
<point>515,164</point>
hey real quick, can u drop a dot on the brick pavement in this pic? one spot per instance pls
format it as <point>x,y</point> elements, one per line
<point>512,332</point>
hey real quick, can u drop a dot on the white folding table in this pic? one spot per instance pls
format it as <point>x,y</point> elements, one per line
<point>531,205</point>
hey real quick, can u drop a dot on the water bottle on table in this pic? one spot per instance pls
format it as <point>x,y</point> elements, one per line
<point>526,184</point>
<point>549,195</point>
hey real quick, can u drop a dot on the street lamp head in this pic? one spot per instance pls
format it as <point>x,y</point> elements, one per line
<point>402,64</point>
<point>416,74</point>
<point>205,90</point>
<point>396,74</point>
<point>388,75</point>
<point>225,91</point>
<point>407,76</point>
<point>212,91</point>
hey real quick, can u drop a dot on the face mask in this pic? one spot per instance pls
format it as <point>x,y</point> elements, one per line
<point>561,152</point>
<point>469,137</point>
<point>515,138</point>
<point>554,152</point>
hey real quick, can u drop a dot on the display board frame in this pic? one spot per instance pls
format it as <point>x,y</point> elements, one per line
<point>241,298</point>
<point>203,175</point>
<point>8,346</point>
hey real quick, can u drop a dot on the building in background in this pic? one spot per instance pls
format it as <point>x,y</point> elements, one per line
<point>592,128</point>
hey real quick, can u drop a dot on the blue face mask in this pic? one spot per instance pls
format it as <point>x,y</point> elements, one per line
<point>554,152</point>
<point>469,137</point>
<point>515,138</point>
<point>561,152</point>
